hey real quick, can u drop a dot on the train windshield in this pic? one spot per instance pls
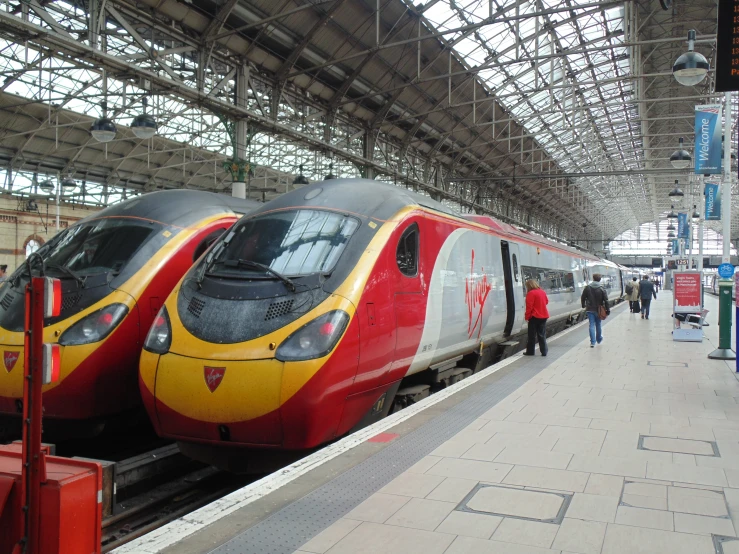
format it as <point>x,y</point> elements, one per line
<point>97,247</point>
<point>292,243</point>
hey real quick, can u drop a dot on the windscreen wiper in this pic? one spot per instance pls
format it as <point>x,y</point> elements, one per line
<point>68,271</point>
<point>248,263</point>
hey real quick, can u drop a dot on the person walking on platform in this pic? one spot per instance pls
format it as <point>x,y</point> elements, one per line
<point>537,315</point>
<point>593,297</point>
<point>632,291</point>
<point>646,291</point>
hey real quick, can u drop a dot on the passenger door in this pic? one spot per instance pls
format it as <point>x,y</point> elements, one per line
<point>514,288</point>
<point>409,300</point>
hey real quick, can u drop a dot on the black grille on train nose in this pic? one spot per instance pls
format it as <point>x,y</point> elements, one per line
<point>196,306</point>
<point>276,309</point>
<point>6,301</point>
<point>70,300</point>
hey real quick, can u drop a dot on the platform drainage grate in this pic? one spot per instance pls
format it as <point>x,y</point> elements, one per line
<point>678,446</point>
<point>720,540</point>
<point>528,504</point>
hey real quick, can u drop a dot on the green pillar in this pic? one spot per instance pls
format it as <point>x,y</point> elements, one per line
<point>724,351</point>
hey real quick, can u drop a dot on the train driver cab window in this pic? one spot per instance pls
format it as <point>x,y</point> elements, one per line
<point>407,253</point>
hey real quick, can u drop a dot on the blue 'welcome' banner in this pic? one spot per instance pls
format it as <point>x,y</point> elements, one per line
<point>675,247</point>
<point>713,202</point>
<point>682,226</point>
<point>708,139</point>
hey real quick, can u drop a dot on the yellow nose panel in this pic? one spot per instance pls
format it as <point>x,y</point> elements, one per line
<point>216,391</point>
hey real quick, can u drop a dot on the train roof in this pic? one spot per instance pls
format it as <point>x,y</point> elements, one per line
<point>381,201</point>
<point>179,208</point>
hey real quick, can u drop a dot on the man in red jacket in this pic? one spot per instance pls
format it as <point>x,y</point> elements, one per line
<point>537,315</point>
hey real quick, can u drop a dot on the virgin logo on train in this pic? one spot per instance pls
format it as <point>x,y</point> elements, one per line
<point>213,377</point>
<point>476,291</point>
<point>9,359</point>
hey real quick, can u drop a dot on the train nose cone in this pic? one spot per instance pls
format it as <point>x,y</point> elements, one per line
<point>219,400</point>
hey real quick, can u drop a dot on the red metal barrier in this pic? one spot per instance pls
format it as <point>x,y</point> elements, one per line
<point>48,504</point>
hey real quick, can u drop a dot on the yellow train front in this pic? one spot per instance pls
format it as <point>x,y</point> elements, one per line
<point>117,268</point>
<point>258,347</point>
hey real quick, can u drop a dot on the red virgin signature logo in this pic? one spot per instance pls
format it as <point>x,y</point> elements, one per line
<point>476,290</point>
<point>213,377</point>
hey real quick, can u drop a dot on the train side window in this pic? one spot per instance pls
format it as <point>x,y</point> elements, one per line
<point>407,253</point>
<point>515,268</point>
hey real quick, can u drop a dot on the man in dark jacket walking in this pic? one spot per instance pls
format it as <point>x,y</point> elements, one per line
<point>594,296</point>
<point>646,292</point>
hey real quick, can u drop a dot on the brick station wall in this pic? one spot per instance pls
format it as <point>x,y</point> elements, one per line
<point>18,227</point>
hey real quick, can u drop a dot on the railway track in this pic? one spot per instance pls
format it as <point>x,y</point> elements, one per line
<point>160,504</point>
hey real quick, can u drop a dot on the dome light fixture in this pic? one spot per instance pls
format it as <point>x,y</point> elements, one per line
<point>671,227</point>
<point>330,173</point>
<point>68,184</point>
<point>671,214</point>
<point>144,126</point>
<point>670,235</point>
<point>680,158</point>
<point>47,186</point>
<point>301,179</point>
<point>103,129</point>
<point>695,215</point>
<point>692,67</point>
<point>676,191</point>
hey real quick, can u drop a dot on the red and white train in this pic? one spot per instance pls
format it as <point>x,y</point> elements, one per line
<point>321,310</point>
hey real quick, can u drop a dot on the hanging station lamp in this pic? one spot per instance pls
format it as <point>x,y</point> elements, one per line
<point>676,191</point>
<point>670,235</point>
<point>68,184</point>
<point>680,158</point>
<point>330,173</point>
<point>671,227</point>
<point>671,214</point>
<point>47,186</point>
<point>695,215</point>
<point>300,179</point>
<point>144,125</point>
<point>103,129</point>
<point>692,67</point>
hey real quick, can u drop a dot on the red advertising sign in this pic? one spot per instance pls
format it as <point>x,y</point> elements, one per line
<point>687,290</point>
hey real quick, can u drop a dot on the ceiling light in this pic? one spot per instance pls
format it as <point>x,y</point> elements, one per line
<point>144,126</point>
<point>68,184</point>
<point>103,129</point>
<point>692,67</point>
<point>330,173</point>
<point>676,191</point>
<point>670,235</point>
<point>46,186</point>
<point>671,214</point>
<point>671,227</point>
<point>301,179</point>
<point>680,158</point>
<point>695,215</point>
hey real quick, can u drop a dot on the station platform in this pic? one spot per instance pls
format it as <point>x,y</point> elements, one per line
<point>631,447</point>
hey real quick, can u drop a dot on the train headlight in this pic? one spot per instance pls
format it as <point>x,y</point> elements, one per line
<point>314,339</point>
<point>94,327</point>
<point>159,338</point>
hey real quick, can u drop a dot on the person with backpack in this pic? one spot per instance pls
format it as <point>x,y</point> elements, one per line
<point>595,301</point>
<point>632,292</point>
<point>646,291</point>
<point>537,315</point>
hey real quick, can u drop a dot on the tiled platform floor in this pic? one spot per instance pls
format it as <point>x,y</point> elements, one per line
<point>639,438</point>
